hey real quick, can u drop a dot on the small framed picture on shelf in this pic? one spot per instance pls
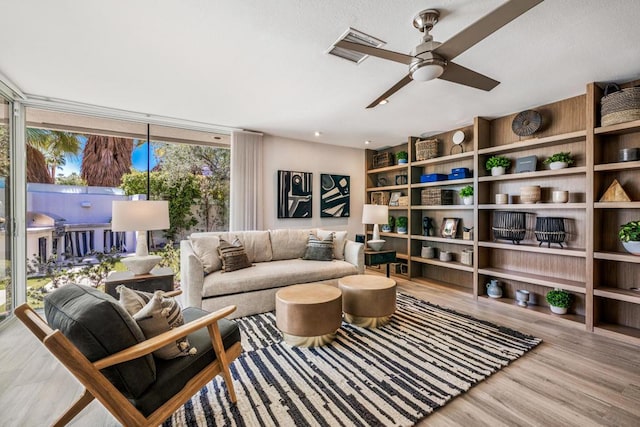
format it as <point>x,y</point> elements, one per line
<point>394,200</point>
<point>449,227</point>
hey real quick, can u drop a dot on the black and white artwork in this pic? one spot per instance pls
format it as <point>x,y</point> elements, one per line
<point>294,194</point>
<point>334,196</point>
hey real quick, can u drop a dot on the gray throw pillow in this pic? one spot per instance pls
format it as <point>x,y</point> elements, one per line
<point>319,250</point>
<point>233,256</point>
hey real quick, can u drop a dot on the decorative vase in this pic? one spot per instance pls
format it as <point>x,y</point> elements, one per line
<point>466,256</point>
<point>558,165</point>
<point>402,230</point>
<point>445,256</point>
<point>559,196</point>
<point>468,200</point>
<point>502,199</point>
<point>497,171</point>
<point>427,226</point>
<point>522,296</point>
<point>632,247</point>
<point>493,289</point>
<point>530,194</point>
<point>558,310</point>
<point>428,252</point>
<point>386,228</point>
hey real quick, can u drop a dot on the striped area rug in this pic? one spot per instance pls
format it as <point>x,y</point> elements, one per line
<point>391,376</point>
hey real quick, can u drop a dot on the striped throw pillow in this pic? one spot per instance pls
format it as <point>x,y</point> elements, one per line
<point>233,256</point>
<point>319,250</point>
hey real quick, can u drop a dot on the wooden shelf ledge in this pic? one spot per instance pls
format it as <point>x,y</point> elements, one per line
<point>532,247</point>
<point>535,142</point>
<point>580,170</point>
<point>442,240</point>
<point>618,129</point>
<point>446,182</point>
<point>617,166</point>
<point>388,169</point>
<point>444,159</point>
<point>535,279</point>
<point>571,319</point>
<point>441,207</point>
<point>617,256</point>
<point>536,206</point>
<point>616,205</point>
<point>455,265</point>
<point>618,294</point>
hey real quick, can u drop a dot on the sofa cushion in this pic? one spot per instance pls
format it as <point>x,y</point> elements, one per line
<point>267,275</point>
<point>233,256</point>
<point>257,244</point>
<point>319,250</point>
<point>339,241</point>
<point>288,243</point>
<point>173,374</point>
<point>99,326</point>
<point>205,246</point>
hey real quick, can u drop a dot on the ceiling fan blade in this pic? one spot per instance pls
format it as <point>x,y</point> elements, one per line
<point>484,27</point>
<point>458,74</point>
<point>396,87</point>
<point>375,51</point>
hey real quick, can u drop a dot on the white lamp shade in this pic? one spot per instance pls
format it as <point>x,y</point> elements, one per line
<point>427,72</point>
<point>375,214</point>
<point>134,215</point>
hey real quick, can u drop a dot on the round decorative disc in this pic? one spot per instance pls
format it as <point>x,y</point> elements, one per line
<point>526,123</point>
<point>458,137</point>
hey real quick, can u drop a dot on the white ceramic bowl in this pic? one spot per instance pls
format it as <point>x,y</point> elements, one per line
<point>560,196</point>
<point>375,245</point>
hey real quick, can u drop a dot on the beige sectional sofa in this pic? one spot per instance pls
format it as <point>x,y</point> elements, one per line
<point>276,257</point>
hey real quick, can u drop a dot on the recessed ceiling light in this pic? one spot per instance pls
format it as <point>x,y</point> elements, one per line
<point>384,101</point>
<point>367,142</point>
<point>317,133</point>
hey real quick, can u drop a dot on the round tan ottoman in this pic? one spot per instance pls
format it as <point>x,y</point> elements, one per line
<point>368,301</point>
<point>309,315</point>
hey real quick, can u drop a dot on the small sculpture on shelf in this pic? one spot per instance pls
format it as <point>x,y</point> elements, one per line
<point>427,226</point>
<point>493,289</point>
<point>522,296</point>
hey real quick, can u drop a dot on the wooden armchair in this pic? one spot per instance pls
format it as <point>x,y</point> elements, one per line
<point>137,388</point>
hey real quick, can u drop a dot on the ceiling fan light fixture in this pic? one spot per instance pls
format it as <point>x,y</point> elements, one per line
<point>384,101</point>
<point>426,72</point>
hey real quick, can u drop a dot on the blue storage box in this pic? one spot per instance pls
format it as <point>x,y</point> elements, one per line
<point>460,173</point>
<point>432,177</point>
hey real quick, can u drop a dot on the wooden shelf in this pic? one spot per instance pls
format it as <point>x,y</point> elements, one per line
<point>617,166</point>
<point>528,144</point>
<point>537,206</point>
<point>449,287</point>
<point>617,256</point>
<point>441,207</point>
<point>537,174</point>
<point>533,247</point>
<point>618,129</point>
<point>618,294</point>
<point>389,234</point>
<point>616,205</point>
<point>444,159</point>
<point>443,240</point>
<point>535,279</point>
<point>443,183</point>
<point>455,265</point>
<point>388,169</point>
<point>620,332</point>
<point>389,188</point>
<point>398,208</point>
<point>571,319</point>
<point>403,257</point>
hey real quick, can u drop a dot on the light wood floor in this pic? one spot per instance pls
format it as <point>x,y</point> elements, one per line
<point>572,379</point>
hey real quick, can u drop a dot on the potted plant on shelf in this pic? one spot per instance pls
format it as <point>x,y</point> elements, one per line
<point>402,157</point>
<point>467,194</point>
<point>497,165</point>
<point>559,301</point>
<point>630,237</point>
<point>401,224</point>
<point>559,161</point>
<point>388,227</point>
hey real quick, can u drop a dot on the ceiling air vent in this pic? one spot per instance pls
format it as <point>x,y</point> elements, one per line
<point>355,36</point>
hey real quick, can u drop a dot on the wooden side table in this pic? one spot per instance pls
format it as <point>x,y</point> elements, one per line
<point>379,257</point>
<point>158,279</point>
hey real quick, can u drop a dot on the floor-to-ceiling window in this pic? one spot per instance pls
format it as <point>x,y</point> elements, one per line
<point>6,284</point>
<point>78,164</point>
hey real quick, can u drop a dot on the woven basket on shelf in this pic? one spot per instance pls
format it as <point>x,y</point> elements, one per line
<point>382,160</point>
<point>436,196</point>
<point>380,198</point>
<point>427,149</point>
<point>620,106</point>
<point>509,226</point>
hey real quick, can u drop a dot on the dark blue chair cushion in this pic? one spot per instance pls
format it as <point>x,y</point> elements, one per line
<point>173,374</point>
<point>99,326</point>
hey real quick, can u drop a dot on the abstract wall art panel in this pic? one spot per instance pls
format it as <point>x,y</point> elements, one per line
<point>294,194</point>
<point>334,196</point>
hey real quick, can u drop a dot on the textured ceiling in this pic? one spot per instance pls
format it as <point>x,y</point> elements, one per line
<point>261,65</point>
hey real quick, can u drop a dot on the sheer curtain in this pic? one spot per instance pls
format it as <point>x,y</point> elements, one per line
<point>245,211</point>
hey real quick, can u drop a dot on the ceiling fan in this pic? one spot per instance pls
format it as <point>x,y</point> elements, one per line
<point>431,59</point>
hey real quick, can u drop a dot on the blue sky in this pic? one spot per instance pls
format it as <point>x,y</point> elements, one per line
<point>138,159</point>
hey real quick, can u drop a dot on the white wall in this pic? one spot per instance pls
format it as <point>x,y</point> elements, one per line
<point>288,154</point>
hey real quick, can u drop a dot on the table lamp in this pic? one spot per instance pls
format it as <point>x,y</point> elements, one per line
<point>375,214</point>
<point>140,216</point>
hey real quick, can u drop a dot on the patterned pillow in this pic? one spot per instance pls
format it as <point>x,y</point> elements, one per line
<point>319,250</point>
<point>233,256</point>
<point>156,314</point>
